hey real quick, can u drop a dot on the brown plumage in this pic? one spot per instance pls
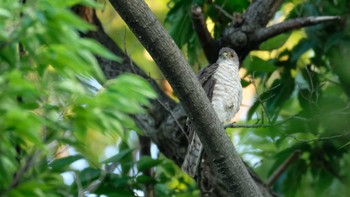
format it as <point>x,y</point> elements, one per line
<point>207,80</point>
<point>221,83</point>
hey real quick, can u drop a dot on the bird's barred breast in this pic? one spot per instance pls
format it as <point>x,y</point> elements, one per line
<point>227,95</point>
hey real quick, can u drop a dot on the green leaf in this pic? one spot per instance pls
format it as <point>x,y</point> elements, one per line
<point>5,13</point>
<point>143,179</point>
<point>88,175</point>
<point>255,64</point>
<point>193,48</point>
<point>253,109</point>
<point>169,168</point>
<point>245,83</point>
<point>181,26</point>
<point>70,86</point>
<point>7,168</point>
<point>100,50</point>
<point>9,54</point>
<point>62,163</point>
<point>280,91</point>
<point>118,157</point>
<point>68,18</point>
<point>30,126</point>
<point>274,42</point>
<point>127,83</point>
<point>300,49</point>
<point>147,162</point>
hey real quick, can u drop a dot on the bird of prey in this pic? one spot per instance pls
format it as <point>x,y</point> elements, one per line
<point>222,84</point>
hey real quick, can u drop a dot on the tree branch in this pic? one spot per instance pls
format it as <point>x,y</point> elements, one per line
<point>260,12</point>
<point>293,157</point>
<point>233,125</point>
<point>166,123</point>
<point>145,150</point>
<point>222,10</point>
<point>249,35</point>
<point>209,45</point>
<point>25,167</point>
<point>169,58</point>
<point>112,69</point>
<point>237,35</point>
<point>160,124</point>
<point>265,33</point>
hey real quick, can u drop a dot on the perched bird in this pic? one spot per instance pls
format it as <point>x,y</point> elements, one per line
<point>222,84</point>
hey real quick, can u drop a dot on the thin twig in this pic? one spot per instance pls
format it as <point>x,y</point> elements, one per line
<point>292,158</point>
<point>29,162</point>
<point>223,11</point>
<point>271,124</point>
<point>91,188</point>
<point>79,186</point>
<point>234,125</point>
<point>320,138</point>
<point>260,100</point>
<point>173,116</point>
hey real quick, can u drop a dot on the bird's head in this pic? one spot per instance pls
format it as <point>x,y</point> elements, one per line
<point>227,54</point>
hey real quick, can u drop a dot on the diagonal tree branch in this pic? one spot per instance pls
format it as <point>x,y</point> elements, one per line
<point>265,33</point>
<point>167,133</point>
<point>112,69</point>
<point>282,168</point>
<point>164,122</point>
<point>159,124</point>
<point>169,58</point>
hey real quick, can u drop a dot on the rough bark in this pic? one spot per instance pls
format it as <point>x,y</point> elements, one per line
<point>167,55</point>
<point>240,36</point>
<point>166,121</point>
<point>145,150</point>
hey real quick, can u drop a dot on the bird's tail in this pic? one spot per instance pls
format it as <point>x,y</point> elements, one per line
<point>193,156</point>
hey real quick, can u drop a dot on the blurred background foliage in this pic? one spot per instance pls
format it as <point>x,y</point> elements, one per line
<point>62,134</point>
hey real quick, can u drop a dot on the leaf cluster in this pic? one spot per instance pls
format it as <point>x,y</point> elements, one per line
<point>46,109</point>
